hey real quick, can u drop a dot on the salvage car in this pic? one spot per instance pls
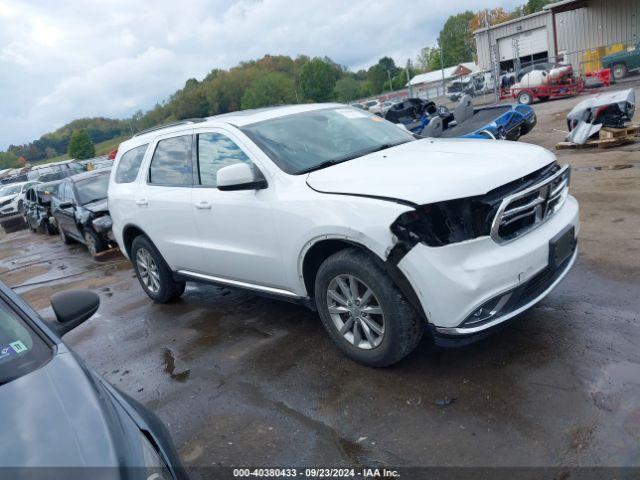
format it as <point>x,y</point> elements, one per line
<point>48,172</point>
<point>623,62</point>
<point>37,209</point>
<point>64,414</point>
<point>386,235</point>
<point>12,197</point>
<point>80,210</point>
<point>503,122</point>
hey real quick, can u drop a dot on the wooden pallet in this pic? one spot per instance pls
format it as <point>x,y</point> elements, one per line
<point>608,138</point>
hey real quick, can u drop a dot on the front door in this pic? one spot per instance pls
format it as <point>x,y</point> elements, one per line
<point>66,216</point>
<point>237,232</point>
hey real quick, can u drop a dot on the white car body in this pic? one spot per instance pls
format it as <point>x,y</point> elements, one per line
<point>259,239</point>
<point>374,106</point>
<point>10,204</point>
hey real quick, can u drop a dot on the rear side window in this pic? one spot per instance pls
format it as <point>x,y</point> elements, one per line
<point>214,152</point>
<point>171,162</point>
<point>130,164</point>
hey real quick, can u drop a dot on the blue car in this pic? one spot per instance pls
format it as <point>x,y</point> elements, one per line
<point>508,122</point>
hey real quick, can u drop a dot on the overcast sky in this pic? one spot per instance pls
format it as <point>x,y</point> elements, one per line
<point>64,59</point>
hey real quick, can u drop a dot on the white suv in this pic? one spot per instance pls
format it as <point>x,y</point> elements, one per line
<point>12,197</point>
<point>385,234</point>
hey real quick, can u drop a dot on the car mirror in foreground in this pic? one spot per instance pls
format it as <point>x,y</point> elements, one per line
<point>240,176</point>
<point>72,308</point>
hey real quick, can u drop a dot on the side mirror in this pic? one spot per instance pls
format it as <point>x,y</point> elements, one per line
<point>72,308</point>
<point>240,176</point>
<point>65,204</point>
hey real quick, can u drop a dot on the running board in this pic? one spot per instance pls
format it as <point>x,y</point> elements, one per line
<point>237,283</point>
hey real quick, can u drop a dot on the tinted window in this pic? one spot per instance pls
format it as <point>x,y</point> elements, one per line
<point>171,162</point>
<point>92,189</point>
<point>21,349</point>
<point>130,164</point>
<point>68,191</point>
<point>214,152</point>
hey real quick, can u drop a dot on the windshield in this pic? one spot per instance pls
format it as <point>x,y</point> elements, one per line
<point>10,190</point>
<point>21,349</point>
<point>302,142</point>
<point>92,189</point>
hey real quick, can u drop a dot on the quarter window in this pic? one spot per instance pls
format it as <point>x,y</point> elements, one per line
<point>171,162</point>
<point>214,152</point>
<point>130,164</point>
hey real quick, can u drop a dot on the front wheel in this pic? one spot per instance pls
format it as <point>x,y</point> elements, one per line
<point>153,273</point>
<point>93,242</point>
<point>66,240</point>
<point>363,311</point>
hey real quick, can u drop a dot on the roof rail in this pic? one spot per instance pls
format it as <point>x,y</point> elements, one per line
<point>167,125</point>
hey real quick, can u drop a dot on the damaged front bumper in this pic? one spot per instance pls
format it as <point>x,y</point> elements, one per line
<point>453,282</point>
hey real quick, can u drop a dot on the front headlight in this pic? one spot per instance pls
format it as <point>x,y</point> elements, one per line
<point>442,223</point>
<point>102,224</point>
<point>156,468</point>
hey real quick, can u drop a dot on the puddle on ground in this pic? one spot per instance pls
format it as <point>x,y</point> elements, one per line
<point>622,166</point>
<point>175,367</point>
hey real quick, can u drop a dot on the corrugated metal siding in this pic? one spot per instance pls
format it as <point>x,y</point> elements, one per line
<point>483,51</point>
<point>602,23</point>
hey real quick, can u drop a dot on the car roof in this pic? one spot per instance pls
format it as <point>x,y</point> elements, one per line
<point>240,118</point>
<point>84,175</point>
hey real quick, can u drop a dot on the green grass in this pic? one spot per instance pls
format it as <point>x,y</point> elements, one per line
<point>102,148</point>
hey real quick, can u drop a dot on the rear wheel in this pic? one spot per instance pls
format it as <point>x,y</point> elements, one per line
<point>153,273</point>
<point>50,228</point>
<point>525,98</point>
<point>363,311</point>
<point>620,71</point>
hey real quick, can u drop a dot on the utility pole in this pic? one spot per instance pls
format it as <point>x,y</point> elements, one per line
<point>409,78</point>
<point>390,83</point>
<point>442,67</point>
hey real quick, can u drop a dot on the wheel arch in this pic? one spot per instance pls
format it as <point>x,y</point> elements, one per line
<point>129,233</point>
<point>319,249</point>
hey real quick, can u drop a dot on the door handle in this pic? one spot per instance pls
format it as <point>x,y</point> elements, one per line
<point>203,206</point>
<point>142,202</point>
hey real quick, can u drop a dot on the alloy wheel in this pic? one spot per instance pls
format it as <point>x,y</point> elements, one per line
<point>148,270</point>
<point>355,311</point>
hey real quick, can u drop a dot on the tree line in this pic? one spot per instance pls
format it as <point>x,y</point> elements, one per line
<point>273,80</point>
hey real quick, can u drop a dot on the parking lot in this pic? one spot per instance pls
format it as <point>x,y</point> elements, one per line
<point>243,380</point>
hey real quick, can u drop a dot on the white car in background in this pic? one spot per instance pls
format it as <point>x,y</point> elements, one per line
<point>384,234</point>
<point>12,197</point>
<point>374,106</point>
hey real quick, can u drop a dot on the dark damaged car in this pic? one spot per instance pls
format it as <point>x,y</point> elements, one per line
<point>61,419</point>
<point>80,210</point>
<point>37,208</point>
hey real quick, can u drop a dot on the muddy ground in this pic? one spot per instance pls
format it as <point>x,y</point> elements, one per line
<point>243,380</point>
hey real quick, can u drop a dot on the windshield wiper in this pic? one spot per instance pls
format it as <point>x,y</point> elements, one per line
<point>351,156</point>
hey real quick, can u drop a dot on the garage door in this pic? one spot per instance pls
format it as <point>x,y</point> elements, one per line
<point>529,43</point>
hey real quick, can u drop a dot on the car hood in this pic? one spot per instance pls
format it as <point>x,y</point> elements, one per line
<point>97,206</point>
<point>432,170</point>
<point>59,415</point>
<point>8,197</point>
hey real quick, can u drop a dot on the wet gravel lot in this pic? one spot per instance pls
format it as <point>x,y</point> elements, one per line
<point>244,380</point>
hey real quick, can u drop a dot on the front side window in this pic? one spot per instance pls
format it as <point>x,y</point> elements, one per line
<point>214,152</point>
<point>22,350</point>
<point>171,162</point>
<point>307,141</point>
<point>130,164</point>
<point>92,189</point>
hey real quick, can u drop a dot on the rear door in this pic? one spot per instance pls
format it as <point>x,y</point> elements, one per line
<point>237,232</point>
<point>163,202</point>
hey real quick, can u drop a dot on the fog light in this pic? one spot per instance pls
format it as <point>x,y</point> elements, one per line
<point>488,310</point>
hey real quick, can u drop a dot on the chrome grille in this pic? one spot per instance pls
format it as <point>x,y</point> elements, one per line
<point>523,211</point>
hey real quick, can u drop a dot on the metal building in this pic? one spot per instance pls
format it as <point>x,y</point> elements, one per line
<point>576,31</point>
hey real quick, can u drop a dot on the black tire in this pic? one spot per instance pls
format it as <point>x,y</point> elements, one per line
<point>50,229</point>
<point>94,243</point>
<point>13,228</point>
<point>403,327</point>
<point>619,71</point>
<point>65,239</point>
<point>525,98</point>
<point>169,290</point>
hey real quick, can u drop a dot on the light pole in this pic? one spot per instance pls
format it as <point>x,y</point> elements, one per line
<point>442,66</point>
<point>390,83</point>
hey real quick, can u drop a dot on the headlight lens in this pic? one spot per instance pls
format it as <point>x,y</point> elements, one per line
<point>102,224</point>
